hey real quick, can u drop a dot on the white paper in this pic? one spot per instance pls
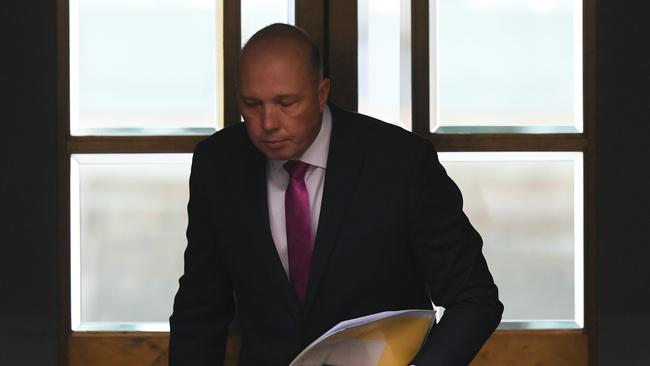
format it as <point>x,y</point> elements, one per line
<point>351,351</point>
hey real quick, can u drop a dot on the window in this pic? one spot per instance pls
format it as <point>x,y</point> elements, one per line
<point>504,89</point>
<point>143,81</point>
<point>511,69</point>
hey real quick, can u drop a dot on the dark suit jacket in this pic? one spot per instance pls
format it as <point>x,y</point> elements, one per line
<point>391,234</point>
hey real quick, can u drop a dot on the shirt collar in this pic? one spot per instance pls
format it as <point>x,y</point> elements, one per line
<point>316,153</point>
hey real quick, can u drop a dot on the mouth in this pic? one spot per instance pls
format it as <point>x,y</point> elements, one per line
<point>275,144</point>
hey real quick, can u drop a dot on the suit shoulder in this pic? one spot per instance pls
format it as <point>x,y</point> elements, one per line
<point>383,136</point>
<point>228,140</point>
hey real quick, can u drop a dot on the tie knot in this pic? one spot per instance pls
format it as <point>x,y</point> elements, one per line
<point>296,168</point>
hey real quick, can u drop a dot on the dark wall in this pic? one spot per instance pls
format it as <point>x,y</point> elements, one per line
<point>28,310</point>
<point>623,198</point>
<point>28,265</point>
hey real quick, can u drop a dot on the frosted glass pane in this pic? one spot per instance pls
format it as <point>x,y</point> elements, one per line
<point>128,236</point>
<point>256,14</point>
<point>144,64</point>
<point>506,63</point>
<point>384,69</point>
<point>528,209</point>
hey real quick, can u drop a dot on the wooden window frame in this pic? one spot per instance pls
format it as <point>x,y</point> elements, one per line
<point>530,347</point>
<point>123,348</point>
<point>337,37</point>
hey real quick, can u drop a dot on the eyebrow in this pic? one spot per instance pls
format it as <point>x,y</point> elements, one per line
<point>287,96</point>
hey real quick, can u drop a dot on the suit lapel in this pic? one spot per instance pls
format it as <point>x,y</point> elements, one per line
<point>344,163</point>
<point>254,188</point>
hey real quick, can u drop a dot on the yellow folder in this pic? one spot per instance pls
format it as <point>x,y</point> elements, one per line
<point>384,339</point>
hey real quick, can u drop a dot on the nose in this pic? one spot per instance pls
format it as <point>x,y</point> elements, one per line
<point>270,120</point>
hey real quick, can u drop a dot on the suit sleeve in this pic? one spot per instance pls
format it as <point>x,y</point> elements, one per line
<point>449,257</point>
<point>203,306</point>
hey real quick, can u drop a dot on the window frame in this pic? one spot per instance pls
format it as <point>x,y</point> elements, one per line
<point>544,346</point>
<point>337,37</point>
<point>96,348</point>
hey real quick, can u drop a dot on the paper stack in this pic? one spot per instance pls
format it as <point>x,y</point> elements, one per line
<point>383,339</point>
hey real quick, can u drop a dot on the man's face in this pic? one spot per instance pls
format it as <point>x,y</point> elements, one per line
<point>280,98</point>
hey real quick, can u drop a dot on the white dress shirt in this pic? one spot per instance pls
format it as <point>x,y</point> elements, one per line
<point>277,180</point>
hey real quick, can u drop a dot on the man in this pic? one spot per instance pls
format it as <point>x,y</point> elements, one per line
<point>307,215</point>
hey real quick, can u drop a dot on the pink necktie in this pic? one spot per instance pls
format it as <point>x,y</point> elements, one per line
<point>299,238</point>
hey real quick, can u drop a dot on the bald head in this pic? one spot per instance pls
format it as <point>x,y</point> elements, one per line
<point>287,36</point>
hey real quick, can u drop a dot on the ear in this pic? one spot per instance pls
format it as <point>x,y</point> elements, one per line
<point>323,92</point>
